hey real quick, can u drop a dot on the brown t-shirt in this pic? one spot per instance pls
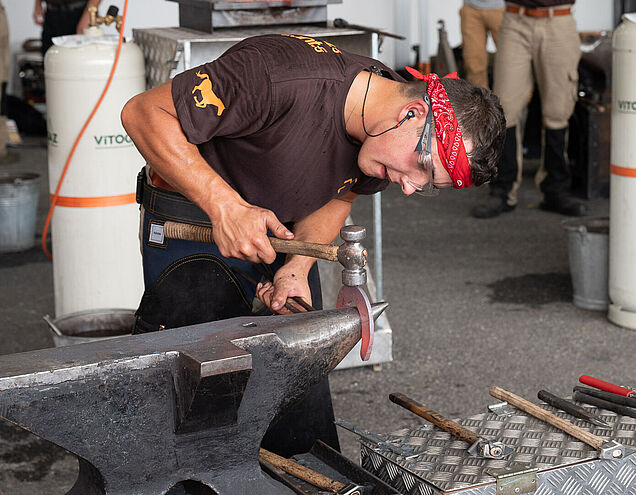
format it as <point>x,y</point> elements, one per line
<point>268,116</point>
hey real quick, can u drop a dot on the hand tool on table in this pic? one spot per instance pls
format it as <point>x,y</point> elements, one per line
<point>609,396</point>
<point>571,408</point>
<point>382,444</point>
<point>144,412</point>
<point>309,475</point>
<point>606,386</point>
<point>479,446</point>
<point>607,449</point>
<point>604,404</point>
<point>351,254</point>
<point>341,23</point>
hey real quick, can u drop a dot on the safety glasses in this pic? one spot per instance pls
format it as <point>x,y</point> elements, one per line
<point>424,157</point>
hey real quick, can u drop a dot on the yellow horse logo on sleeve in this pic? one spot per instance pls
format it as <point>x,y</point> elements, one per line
<point>207,95</point>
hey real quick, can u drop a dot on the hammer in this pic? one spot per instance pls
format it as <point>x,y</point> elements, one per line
<point>351,255</point>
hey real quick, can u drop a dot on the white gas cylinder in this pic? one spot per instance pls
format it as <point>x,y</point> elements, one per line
<point>94,229</point>
<point>622,235</point>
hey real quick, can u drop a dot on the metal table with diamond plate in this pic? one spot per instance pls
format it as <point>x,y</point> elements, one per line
<point>546,460</point>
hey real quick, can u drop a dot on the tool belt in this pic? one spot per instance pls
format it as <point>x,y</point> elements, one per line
<point>168,204</point>
<point>544,12</point>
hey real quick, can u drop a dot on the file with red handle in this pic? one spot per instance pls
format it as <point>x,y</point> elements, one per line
<point>607,386</point>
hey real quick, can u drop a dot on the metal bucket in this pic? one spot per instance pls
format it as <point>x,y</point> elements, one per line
<point>19,194</point>
<point>89,326</point>
<point>588,241</point>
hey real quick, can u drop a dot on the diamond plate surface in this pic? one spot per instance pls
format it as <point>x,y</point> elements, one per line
<point>440,463</point>
<point>160,55</point>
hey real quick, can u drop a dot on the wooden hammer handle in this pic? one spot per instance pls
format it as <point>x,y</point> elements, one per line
<point>445,424</point>
<point>301,472</point>
<point>548,417</point>
<point>187,232</point>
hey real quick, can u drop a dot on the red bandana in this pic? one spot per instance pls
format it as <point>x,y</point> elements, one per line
<point>450,145</point>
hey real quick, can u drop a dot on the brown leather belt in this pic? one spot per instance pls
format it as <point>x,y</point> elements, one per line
<point>537,12</point>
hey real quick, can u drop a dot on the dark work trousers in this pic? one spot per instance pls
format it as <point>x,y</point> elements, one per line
<point>60,20</point>
<point>190,282</point>
<point>507,166</point>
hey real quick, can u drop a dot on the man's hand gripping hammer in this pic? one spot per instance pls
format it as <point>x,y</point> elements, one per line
<point>351,254</point>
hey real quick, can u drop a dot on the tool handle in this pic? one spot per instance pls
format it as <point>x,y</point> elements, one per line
<point>607,386</point>
<point>564,405</point>
<point>301,472</point>
<point>437,419</point>
<point>547,416</point>
<point>604,404</point>
<point>609,396</point>
<point>198,233</point>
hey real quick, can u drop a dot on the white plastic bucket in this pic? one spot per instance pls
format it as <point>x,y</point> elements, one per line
<point>588,241</point>
<point>18,210</point>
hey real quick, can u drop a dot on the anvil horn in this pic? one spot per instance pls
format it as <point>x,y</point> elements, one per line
<point>144,412</point>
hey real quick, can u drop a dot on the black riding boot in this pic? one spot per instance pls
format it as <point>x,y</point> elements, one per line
<point>502,184</point>
<point>556,186</point>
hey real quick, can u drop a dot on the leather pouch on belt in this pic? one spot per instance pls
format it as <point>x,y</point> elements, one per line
<point>194,289</point>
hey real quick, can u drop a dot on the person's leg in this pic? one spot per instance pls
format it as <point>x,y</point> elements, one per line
<point>59,22</point>
<point>4,76</point>
<point>513,84</point>
<point>556,67</point>
<point>492,19</point>
<point>311,419</point>
<point>474,37</point>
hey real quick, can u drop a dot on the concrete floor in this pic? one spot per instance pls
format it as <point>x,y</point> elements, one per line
<point>474,303</point>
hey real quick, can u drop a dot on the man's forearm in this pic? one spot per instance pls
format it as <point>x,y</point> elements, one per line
<point>322,226</point>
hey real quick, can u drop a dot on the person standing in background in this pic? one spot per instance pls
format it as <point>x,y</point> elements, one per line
<point>5,157</point>
<point>538,41</point>
<point>61,17</point>
<point>478,18</point>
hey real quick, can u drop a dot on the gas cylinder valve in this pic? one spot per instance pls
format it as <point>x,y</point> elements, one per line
<point>110,17</point>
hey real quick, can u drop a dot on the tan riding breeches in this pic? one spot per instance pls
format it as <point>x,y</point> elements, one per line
<point>475,25</point>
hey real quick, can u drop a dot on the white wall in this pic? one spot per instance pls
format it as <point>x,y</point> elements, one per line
<point>379,14</point>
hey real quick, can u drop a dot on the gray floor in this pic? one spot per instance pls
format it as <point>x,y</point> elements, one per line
<point>474,303</point>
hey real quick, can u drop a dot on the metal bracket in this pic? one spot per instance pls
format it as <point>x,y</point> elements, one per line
<point>611,450</point>
<point>515,479</point>
<point>502,409</point>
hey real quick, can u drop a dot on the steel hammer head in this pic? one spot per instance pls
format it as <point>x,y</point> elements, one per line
<point>353,255</point>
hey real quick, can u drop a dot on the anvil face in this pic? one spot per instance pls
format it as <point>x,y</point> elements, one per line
<point>144,412</point>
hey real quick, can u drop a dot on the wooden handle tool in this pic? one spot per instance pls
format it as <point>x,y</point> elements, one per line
<point>301,472</point>
<point>479,445</point>
<point>607,449</point>
<point>198,233</point>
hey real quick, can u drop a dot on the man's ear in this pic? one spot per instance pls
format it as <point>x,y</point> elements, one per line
<point>415,109</point>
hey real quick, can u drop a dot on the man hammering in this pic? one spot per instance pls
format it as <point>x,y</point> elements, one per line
<point>279,135</point>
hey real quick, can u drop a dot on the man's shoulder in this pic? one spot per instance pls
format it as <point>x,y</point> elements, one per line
<point>298,56</point>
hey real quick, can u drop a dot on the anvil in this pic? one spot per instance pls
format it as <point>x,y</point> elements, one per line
<point>145,412</point>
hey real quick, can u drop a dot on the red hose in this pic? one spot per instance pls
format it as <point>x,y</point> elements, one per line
<point>81,133</point>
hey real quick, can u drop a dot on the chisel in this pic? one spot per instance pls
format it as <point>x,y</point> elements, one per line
<point>607,386</point>
<point>608,449</point>
<point>604,404</point>
<point>571,408</point>
<point>616,399</point>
